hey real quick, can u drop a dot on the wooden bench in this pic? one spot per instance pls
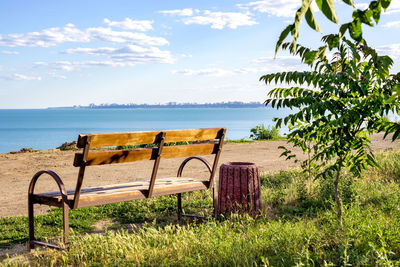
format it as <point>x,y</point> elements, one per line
<point>163,145</point>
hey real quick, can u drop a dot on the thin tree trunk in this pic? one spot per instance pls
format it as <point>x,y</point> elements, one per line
<point>338,200</point>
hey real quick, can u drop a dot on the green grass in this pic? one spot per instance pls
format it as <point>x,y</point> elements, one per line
<point>15,229</point>
<point>239,141</point>
<point>297,226</point>
<point>153,145</point>
<point>82,220</point>
<point>242,140</point>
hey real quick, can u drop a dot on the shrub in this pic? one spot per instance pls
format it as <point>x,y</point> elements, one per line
<point>68,146</point>
<point>23,150</point>
<point>261,133</point>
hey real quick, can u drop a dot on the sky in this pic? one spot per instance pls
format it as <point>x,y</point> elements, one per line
<point>66,53</point>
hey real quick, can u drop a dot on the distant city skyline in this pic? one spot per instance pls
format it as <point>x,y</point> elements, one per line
<point>66,53</point>
<point>230,104</point>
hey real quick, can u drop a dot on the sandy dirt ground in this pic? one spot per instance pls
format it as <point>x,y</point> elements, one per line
<point>16,170</point>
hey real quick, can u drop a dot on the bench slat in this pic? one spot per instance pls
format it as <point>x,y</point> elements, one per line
<point>139,138</point>
<point>141,154</point>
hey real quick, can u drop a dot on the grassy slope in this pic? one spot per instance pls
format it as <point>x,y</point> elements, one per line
<point>297,226</point>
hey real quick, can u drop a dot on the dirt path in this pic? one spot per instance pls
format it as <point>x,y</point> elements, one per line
<point>16,170</point>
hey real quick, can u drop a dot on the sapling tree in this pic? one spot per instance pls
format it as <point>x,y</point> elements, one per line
<point>336,104</point>
<point>359,17</point>
<point>341,100</point>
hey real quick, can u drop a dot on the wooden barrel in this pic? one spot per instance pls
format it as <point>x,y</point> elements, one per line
<point>239,188</point>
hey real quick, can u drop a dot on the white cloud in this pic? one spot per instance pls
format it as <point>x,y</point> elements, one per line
<point>392,50</point>
<point>279,8</point>
<point>214,72</point>
<point>186,56</point>
<point>392,24</point>
<point>279,64</point>
<point>57,76</point>
<point>259,66</point>
<point>217,20</point>
<point>180,12</point>
<point>127,56</point>
<point>361,5</point>
<point>21,77</point>
<point>129,24</point>
<point>7,52</point>
<point>71,66</point>
<point>221,20</point>
<point>69,33</point>
<point>281,60</point>
<point>90,51</point>
<point>135,53</point>
<point>153,54</point>
<point>59,65</point>
<point>108,35</point>
<point>46,38</point>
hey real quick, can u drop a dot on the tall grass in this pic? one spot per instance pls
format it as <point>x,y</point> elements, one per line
<point>297,226</point>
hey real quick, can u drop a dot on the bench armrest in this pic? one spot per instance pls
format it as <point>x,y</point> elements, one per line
<point>183,164</point>
<point>56,178</point>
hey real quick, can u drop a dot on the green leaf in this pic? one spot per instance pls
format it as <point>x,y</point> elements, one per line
<point>375,7</point>
<point>283,36</point>
<point>385,3</point>
<point>328,9</point>
<point>278,123</point>
<point>353,49</point>
<point>305,6</point>
<point>349,2</point>
<point>395,135</point>
<point>332,40</point>
<point>371,161</point>
<point>311,20</point>
<point>364,16</point>
<point>343,29</point>
<point>309,57</point>
<point>355,30</point>
<point>321,52</point>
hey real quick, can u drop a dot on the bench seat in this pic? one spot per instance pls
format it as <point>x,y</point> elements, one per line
<point>124,192</point>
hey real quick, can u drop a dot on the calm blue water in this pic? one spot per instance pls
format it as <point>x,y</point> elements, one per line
<point>49,128</point>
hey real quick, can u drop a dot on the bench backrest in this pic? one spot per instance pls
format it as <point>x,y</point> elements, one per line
<point>159,144</point>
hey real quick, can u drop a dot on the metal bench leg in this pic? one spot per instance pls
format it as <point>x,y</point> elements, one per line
<point>179,200</point>
<point>66,225</point>
<point>33,241</point>
<point>31,224</point>
<point>215,201</point>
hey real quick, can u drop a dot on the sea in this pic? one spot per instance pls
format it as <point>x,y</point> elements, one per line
<point>49,128</point>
